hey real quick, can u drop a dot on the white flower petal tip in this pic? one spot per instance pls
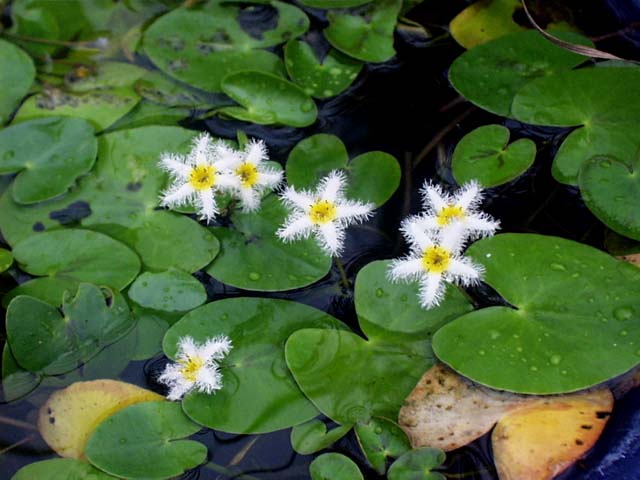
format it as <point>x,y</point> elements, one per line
<point>323,212</point>
<point>196,367</point>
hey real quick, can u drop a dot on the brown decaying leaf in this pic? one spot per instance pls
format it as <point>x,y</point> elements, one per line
<point>633,258</point>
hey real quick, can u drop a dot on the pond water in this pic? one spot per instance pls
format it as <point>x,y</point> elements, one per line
<point>398,107</point>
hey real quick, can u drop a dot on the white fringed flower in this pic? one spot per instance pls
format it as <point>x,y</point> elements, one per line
<point>442,210</point>
<point>324,212</point>
<point>196,367</point>
<point>197,177</point>
<point>435,260</point>
<point>250,176</point>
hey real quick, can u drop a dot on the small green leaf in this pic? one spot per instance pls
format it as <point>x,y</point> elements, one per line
<point>60,469</point>
<point>158,88</point>
<point>334,3</point>
<point>334,466</point>
<point>16,381</point>
<point>312,436</point>
<point>170,291</point>
<point>16,77</point>
<point>6,259</point>
<point>380,439</point>
<point>418,465</point>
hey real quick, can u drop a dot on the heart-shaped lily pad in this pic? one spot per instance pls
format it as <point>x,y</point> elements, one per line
<point>252,257</point>
<point>171,291</point>
<point>312,436</point>
<point>159,88</point>
<point>43,340</point>
<point>49,154</point>
<point>418,465</point>
<point>609,187</point>
<point>379,440</point>
<point>119,198</point>
<point>143,441</point>
<point>351,379</point>
<point>552,341</point>
<point>491,74</point>
<point>60,469</point>
<point>267,99</point>
<point>483,155</point>
<point>258,394</point>
<point>367,35</point>
<point>334,466</point>
<point>601,101</point>
<point>373,176</point>
<point>320,78</point>
<point>16,77</point>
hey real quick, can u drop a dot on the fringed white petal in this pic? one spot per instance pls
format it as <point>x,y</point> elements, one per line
<point>187,347</point>
<point>250,199</point>
<point>464,271</point>
<point>432,289</point>
<point>481,225</point>
<point>428,223</point>
<point>255,152</point>
<point>433,197</point>
<point>173,378</point>
<point>453,237</point>
<point>469,197</point>
<point>270,178</point>
<point>301,200</point>
<point>405,269</point>
<point>216,348</point>
<point>354,212</point>
<point>207,207</point>
<point>202,150</point>
<point>295,227</point>
<point>174,164</point>
<point>332,186</point>
<point>415,235</point>
<point>209,379</point>
<point>177,195</point>
<point>228,181</point>
<point>331,237</point>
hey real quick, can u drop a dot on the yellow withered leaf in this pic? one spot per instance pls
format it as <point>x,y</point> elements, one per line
<point>70,416</point>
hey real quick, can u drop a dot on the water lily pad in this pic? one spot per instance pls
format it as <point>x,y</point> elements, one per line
<point>386,366</point>
<point>60,469</point>
<point>6,259</point>
<point>373,176</point>
<point>598,100</point>
<point>159,88</point>
<point>16,381</point>
<point>320,78</point>
<point>252,257</point>
<point>119,198</point>
<point>368,35</point>
<point>334,3</point>
<point>551,341</point>
<point>267,99</point>
<point>491,74</point>
<point>43,340</point>
<point>105,75</point>
<point>69,416</point>
<point>418,465</point>
<point>200,46</point>
<point>48,154</point>
<point>150,329</point>
<point>259,394</point>
<point>334,466</point>
<point>312,436</point>
<point>171,291</point>
<point>143,441</point>
<point>17,75</point>
<point>147,113</point>
<point>483,155</point>
<point>381,439</point>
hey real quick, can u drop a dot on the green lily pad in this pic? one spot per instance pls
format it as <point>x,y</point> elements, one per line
<point>320,78</point>
<point>150,329</point>
<point>601,101</point>
<point>609,188</point>
<point>60,469</point>
<point>16,381</point>
<point>551,341</point>
<point>418,465</point>
<point>334,3</point>
<point>483,155</point>
<point>380,439</point>
<point>16,77</point>
<point>312,436</point>
<point>171,291</point>
<point>334,466</point>
<point>107,75</point>
<point>259,394</point>
<point>490,75</point>
<point>119,198</point>
<point>147,113</point>
<point>200,46</point>
<point>367,36</point>
<point>373,176</point>
<point>48,154</point>
<point>267,99</point>
<point>387,365</point>
<point>144,441</point>
<point>43,340</point>
<point>252,257</point>
<point>6,259</point>
<point>159,88</point>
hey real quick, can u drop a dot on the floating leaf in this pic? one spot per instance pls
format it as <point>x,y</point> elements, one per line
<point>69,417</point>
<point>252,257</point>
<point>334,466</point>
<point>418,465</point>
<point>334,3</point>
<point>320,78</point>
<point>43,340</point>
<point>49,154</point>
<point>147,113</point>
<point>143,441</point>
<point>267,99</point>
<point>259,394</point>
<point>379,440</point>
<point>171,291</point>
<point>159,88</point>
<point>483,155</point>
<point>312,436</point>
<point>16,77</point>
<point>601,101</point>
<point>106,75</point>
<point>150,329</point>
<point>367,36</point>
<point>373,176</point>
<point>491,74</point>
<point>6,259</point>
<point>16,381</point>
<point>60,469</point>
<point>550,341</point>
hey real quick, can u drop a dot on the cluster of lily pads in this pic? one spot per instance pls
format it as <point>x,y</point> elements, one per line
<point>113,214</point>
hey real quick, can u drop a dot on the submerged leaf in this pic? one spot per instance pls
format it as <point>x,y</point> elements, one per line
<point>379,440</point>
<point>312,436</point>
<point>16,77</point>
<point>418,465</point>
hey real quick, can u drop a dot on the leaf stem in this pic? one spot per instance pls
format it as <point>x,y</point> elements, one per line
<point>228,472</point>
<point>17,444</point>
<point>343,275</point>
<point>17,423</point>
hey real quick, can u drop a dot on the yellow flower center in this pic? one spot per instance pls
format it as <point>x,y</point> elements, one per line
<point>248,174</point>
<point>450,213</point>
<point>436,259</point>
<point>190,367</point>
<point>323,211</point>
<point>202,177</point>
